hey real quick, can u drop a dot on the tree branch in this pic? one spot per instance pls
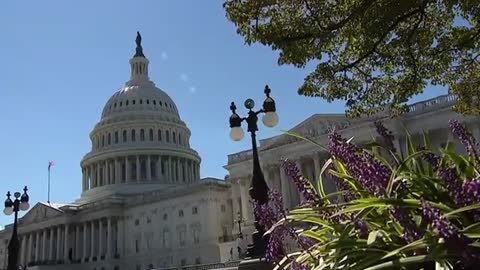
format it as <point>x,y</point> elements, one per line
<point>384,35</point>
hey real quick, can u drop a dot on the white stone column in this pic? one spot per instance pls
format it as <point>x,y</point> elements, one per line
<point>50,244</point>
<point>37,247</point>
<point>66,246</point>
<point>23,249</point>
<point>285,188</point>
<point>120,235</point>
<point>158,167</point>
<point>85,241</point>
<point>77,243</point>
<point>105,175</point>
<point>127,171</point>
<point>43,255</point>
<point>83,179</point>
<point>59,238</point>
<point>139,176</point>
<point>116,174</point>
<point>98,181</point>
<point>245,196</point>
<point>169,170</point>
<point>89,178</point>
<point>149,169</point>
<point>100,239</point>
<point>29,248</point>
<point>109,238</point>
<point>92,240</point>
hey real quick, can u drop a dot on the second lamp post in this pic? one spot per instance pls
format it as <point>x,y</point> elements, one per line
<point>258,187</point>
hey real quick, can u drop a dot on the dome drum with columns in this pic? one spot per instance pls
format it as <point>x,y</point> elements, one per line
<point>139,141</point>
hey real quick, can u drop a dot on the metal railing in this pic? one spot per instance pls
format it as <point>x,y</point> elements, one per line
<point>204,266</point>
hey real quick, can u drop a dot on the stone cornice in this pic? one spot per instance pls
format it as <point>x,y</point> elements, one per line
<point>153,149</point>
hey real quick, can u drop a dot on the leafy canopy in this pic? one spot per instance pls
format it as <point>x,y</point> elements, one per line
<point>374,54</point>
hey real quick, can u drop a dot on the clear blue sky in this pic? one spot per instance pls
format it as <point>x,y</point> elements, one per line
<point>62,60</point>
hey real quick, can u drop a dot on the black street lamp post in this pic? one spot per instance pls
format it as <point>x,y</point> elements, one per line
<point>20,203</point>
<point>239,221</point>
<point>258,188</point>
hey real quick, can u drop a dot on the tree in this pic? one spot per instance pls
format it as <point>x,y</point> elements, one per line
<point>374,54</point>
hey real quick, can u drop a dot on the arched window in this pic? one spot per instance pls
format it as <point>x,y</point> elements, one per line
<point>133,102</point>
<point>160,103</point>
<point>124,135</point>
<point>120,103</point>
<point>148,101</point>
<point>167,135</point>
<point>116,137</point>
<point>150,135</point>
<point>142,135</point>
<point>173,137</point>
<point>103,140</point>
<point>179,138</point>
<point>159,135</point>
<point>133,135</point>
<point>154,102</point>
<point>126,103</point>
<point>109,140</point>
<point>97,143</point>
<point>141,101</point>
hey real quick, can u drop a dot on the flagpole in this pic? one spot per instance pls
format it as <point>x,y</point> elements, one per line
<point>48,193</point>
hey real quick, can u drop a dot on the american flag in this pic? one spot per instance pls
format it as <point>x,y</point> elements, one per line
<point>50,164</point>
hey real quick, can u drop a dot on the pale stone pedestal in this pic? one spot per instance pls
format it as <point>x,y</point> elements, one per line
<point>255,264</point>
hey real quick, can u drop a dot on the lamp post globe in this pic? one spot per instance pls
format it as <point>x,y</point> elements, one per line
<point>236,133</point>
<point>270,119</point>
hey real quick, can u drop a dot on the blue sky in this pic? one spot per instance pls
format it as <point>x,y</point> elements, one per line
<point>62,60</point>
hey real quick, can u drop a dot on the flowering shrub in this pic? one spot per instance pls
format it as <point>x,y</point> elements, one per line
<point>410,213</point>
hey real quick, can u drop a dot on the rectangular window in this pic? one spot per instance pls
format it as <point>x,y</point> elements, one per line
<point>137,246</point>
<point>194,210</point>
<point>137,222</point>
<point>180,213</point>
<point>181,237</point>
<point>196,235</point>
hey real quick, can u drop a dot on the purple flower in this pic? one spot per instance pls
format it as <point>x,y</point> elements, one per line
<point>361,227</point>
<point>306,242</point>
<point>454,240</point>
<point>386,135</point>
<point>450,179</point>
<point>304,187</point>
<point>275,243</point>
<point>370,172</point>
<point>471,195</point>
<point>342,185</point>
<point>430,158</point>
<point>298,266</point>
<point>465,137</point>
<point>410,230</point>
<point>269,213</point>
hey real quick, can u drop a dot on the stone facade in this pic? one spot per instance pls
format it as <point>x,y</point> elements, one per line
<point>430,117</point>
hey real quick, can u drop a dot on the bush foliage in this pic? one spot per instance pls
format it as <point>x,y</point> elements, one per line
<point>389,212</point>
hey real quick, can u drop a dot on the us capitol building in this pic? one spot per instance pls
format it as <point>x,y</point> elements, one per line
<point>143,204</point>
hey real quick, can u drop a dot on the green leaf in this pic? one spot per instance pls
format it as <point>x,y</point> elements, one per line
<point>463,209</point>
<point>372,237</point>
<point>300,136</point>
<point>403,262</point>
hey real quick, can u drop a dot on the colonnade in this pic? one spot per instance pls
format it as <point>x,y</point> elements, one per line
<point>140,168</point>
<point>92,240</point>
<point>310,166</point>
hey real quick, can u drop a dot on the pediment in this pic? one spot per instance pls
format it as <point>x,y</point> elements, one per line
<point>41,211</point>
<point>314,126</point>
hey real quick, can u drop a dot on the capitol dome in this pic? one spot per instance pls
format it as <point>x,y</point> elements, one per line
<point>140,142</point>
